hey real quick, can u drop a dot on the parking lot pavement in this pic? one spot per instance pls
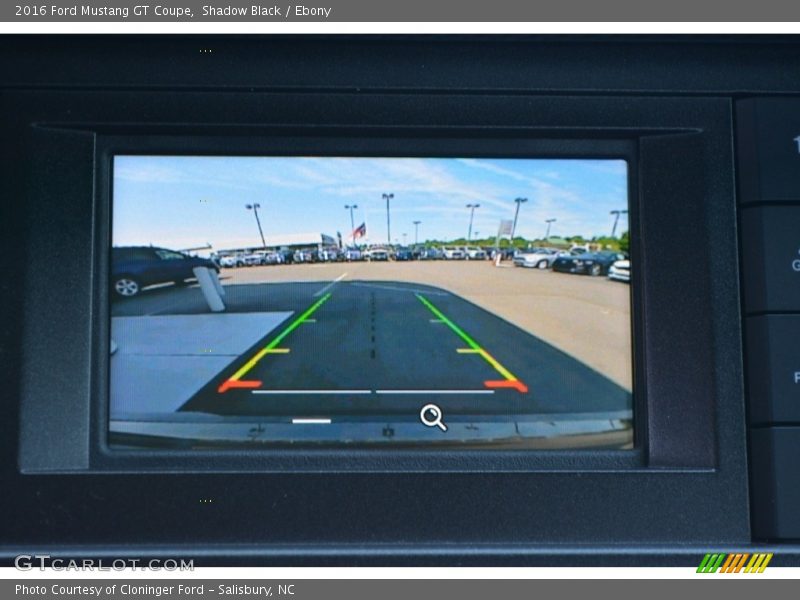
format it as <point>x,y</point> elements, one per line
<point>586,317</point>
<point>374,347</point>
<point>377,329</point>
<point>163,361</point>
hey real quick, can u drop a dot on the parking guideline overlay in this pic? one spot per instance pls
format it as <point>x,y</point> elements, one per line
<point>235,380</point>
<point>508,381</point>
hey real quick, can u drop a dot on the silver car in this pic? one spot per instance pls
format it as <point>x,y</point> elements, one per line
<point>539,258</point>
<point>453,253</point>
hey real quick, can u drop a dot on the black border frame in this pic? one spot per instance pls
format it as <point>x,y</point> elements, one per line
<point>692,488</point>
<point>376,142</point>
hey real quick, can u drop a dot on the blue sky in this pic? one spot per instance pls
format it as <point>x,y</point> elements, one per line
<point>187,201</point>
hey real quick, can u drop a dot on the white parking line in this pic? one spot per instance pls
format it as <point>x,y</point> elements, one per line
<point>311,421</point>
<point>330,285</point>
<point>430,392</point>
<point>366,392</point>
<point>311,392</point>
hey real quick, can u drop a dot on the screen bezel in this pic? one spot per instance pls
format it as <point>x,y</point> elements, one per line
<point>691,483</point>
<point>649,125</point>
<point>374,142</point>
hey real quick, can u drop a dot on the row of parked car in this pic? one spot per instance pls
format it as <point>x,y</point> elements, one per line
<point>402,253</point>
<point>134,267</point>
<point>615,265</point>
<point>576,260</point>
<point>279,257</point>
<point>260,257</point>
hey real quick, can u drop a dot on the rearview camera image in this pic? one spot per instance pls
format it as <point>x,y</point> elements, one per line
<point>370,302</point>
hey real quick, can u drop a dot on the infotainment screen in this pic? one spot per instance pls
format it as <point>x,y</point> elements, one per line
<point>370,302</point>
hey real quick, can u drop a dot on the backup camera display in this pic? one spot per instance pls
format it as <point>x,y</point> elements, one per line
<point>378,302</point>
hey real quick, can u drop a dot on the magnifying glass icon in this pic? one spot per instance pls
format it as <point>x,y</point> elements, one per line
<point>431,416</point>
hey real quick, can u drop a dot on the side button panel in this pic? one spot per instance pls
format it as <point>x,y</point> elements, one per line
<point>768,172</point>
<point>773,369</point>
<point>771,258</point>
<point>768,145</point>
<point>775,482</point>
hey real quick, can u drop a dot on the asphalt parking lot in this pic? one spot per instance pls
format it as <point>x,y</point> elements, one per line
<point>371,337</point>
<point>586,317</point>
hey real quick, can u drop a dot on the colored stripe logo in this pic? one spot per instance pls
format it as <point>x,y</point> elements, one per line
<point>734,563</point>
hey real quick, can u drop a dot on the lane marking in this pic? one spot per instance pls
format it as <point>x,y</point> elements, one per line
<point>234,380</point>
<point>330,285</point>
<point>509,381</point>
<point>311,392</point>
<point>428,392</point>
<point>311,421</point>
<point>467,351</point>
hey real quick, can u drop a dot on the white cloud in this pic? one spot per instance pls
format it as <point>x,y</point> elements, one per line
<point>144,173</point>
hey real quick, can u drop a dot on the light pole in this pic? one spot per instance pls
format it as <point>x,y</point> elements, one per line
<point>516,214</point>
<point>388,197</point>
<point>616,214</point>
<point>471,208</point>
<point>351,208</point>
<point>547,233</point>
<point>416,232</point>
<point>254,207</point>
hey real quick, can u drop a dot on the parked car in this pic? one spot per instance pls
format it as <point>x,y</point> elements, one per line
<point>453,253</point>
<point>539,258</point>
<point>257,258</point>
<point>403,254</point>
<point>588,263</point>
<point>431,254</point>
<point>474,253</point>
<point>329,255</point>
<point>230,261</point>
<point>377,254</point>
<point>353,254</point>
<point>620,271</point>
<point>301,256</point>
<point>135,267</point>
<point>272,258</point>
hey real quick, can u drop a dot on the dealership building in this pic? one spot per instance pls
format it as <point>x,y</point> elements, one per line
<point>289,241</point>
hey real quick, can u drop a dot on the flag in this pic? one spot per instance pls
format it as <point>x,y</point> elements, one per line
<point>359,231</point>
